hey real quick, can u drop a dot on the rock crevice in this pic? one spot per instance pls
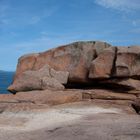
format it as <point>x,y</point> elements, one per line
<point>113,70</point>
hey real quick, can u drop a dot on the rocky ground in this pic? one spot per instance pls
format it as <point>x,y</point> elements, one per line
<point>84,120</point>
<point>38,115</point>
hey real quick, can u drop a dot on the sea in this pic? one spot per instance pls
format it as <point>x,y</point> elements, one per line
<point>6,79</point>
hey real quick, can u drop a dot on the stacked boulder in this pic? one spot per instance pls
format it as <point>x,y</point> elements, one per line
<point>78,63</point>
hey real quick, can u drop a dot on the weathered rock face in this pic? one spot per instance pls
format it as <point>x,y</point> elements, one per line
<point>44,78</point>
<point>26,64</point>
<point>119,67</point>
<point>128,62</point>
<point>74,58</point>
<point>25,82</point>
<point>51,83</point>
<point>102,66</point>
<point>119,63</point>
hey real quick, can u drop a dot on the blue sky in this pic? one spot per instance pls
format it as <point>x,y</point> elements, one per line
<point>28,26</point>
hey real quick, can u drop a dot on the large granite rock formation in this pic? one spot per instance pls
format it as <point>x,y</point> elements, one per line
<point>86,62</point>
<point>82,64</point>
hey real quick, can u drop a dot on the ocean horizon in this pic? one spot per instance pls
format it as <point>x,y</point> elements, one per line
<point>6,78</point>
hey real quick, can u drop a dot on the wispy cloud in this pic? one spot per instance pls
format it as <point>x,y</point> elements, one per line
<point>121,5</point>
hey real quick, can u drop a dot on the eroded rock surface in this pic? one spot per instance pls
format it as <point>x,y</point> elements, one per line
<point>102,66</point>
<point>44,78</point>
<point>128,62</point>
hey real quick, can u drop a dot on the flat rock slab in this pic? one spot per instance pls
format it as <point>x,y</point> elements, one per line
<point>107,95</point>
<point>77,121</point>
<point>24,101</point>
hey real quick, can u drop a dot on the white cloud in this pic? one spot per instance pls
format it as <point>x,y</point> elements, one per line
<point>121,5</point>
